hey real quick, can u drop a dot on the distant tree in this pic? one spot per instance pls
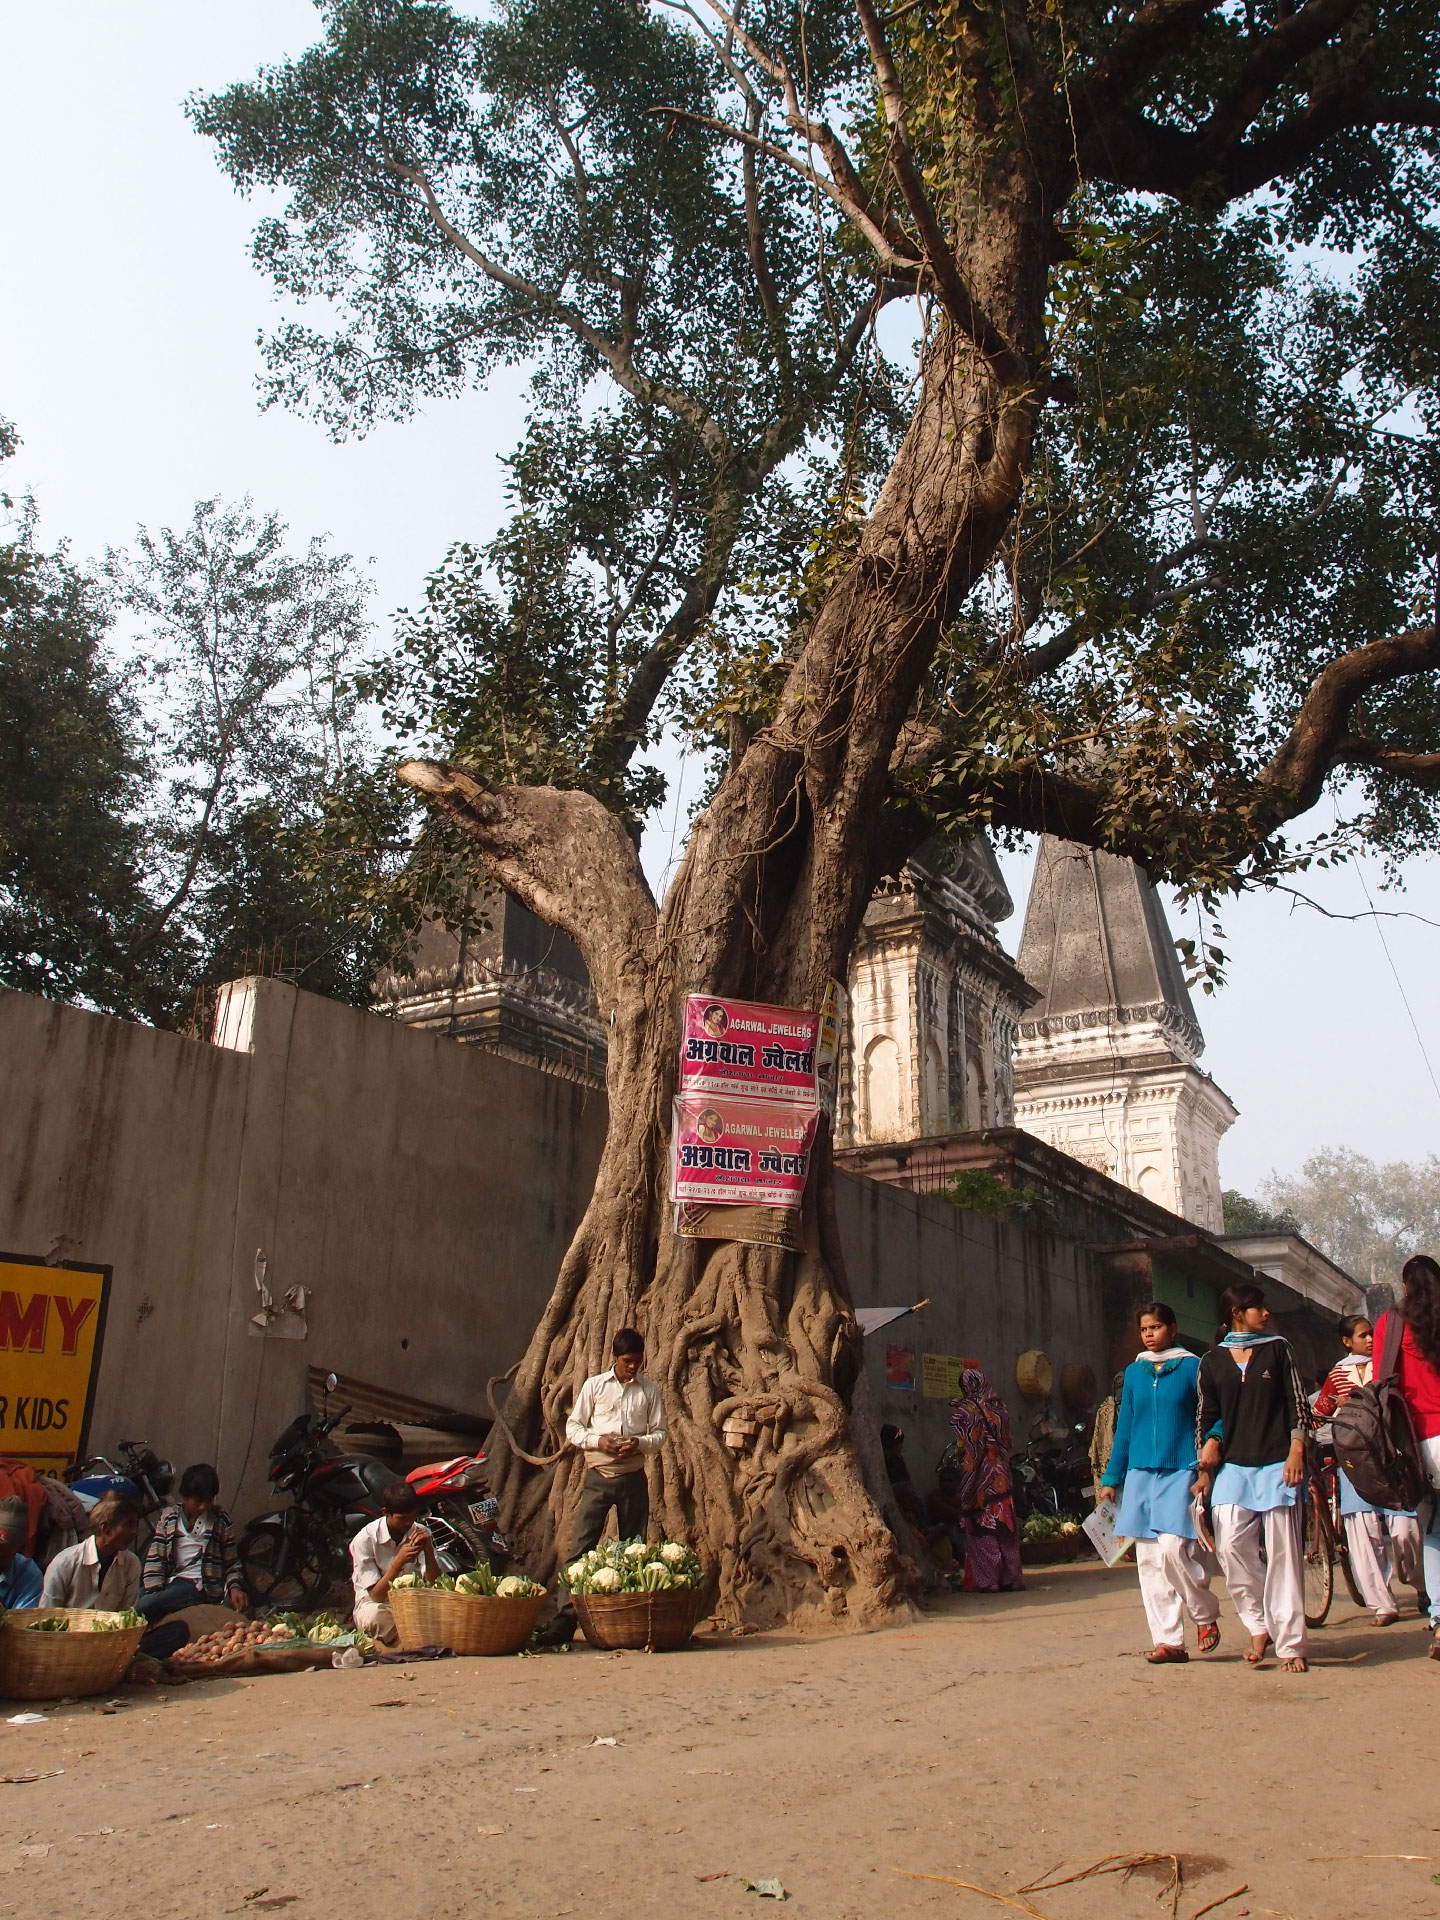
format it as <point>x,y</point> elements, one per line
<point>1367,1218</point>
<point>273,838</point>
<point>72,778</point>
<point>215,802</point>
<point>1244,1215</point>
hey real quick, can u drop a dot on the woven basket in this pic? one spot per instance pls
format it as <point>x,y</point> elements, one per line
<point>664,1620</point>
<point>464,1622</point>
<point>1052,1551</point>
<point>47,1666</point>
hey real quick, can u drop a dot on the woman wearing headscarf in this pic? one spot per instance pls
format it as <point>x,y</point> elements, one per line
<point>1153,1461</point>
<point>1370,1532</point>
<point>1417,1376</point>
<point>983,1494</point>
<point>1251,1437</point>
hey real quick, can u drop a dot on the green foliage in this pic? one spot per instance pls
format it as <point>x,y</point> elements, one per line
<point>72,777</point>
<point>275,839</point>
<point>1244,1215</point>
<point>1368,1218</point>
<point>977,1190</point>
<point>214,806</point>
<point>1230,485</point>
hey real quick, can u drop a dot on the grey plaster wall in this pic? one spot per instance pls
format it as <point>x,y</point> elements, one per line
<point>996,1288</point>
<point>423,1193</point>
<point>122,1146</point>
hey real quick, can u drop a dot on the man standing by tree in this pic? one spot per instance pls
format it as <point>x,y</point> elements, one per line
<point>616,1420</point>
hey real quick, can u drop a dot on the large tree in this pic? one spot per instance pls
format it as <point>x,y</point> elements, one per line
<point>980,412</point>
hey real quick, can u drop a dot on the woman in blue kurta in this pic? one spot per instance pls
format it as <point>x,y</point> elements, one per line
<point>1153,1461</point>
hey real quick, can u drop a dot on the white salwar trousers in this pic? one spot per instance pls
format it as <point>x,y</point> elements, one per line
<point>1269,1596</point>
<point>1174,1581</point>
<point>1368,1538</point>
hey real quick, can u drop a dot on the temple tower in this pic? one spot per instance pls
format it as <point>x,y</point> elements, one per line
<point>1106,1060</point>
<point>934,1002</point>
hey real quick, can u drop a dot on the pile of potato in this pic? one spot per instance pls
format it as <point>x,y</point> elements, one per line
<point>225,1641</point>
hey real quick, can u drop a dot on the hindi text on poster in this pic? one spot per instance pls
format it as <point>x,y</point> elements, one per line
<point>752,1052</point>
<point>51,1322</point>
<point>746,1152</point>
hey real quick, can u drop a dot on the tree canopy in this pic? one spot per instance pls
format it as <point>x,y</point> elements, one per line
<point>195,794</point>
<point>1367,1216</point>
<point>710,242</point>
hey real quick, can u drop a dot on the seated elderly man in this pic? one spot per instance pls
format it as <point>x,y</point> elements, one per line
<point>383,1551</point>
<point>20,1579</point>
<point>103,1571</point>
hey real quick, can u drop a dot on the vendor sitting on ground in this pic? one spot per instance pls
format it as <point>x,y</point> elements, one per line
<point>192,1559</point>
<point>20,1578</point>
<point>383,1551</point>
<point>103,1571</point>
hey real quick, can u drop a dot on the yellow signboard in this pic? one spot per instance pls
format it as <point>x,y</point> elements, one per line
<point>52,1321</point>
<point>940,1375</point>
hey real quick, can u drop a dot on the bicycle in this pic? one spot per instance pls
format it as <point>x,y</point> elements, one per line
<point>1324,1538</point>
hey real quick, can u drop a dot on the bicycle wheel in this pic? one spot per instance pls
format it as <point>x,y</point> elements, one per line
<point>1319,1559</point>
<point>283,1567</point>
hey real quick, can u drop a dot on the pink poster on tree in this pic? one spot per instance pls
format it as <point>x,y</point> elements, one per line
<point>754,1052</point>
<point>740,1152</point>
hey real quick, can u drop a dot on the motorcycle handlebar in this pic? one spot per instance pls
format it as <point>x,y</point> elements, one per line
<point>329,1425</point>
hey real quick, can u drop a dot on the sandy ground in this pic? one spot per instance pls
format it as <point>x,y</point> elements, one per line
<point>997,1737</point>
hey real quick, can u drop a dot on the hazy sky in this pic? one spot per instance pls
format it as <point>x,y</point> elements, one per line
<point>128,319</point>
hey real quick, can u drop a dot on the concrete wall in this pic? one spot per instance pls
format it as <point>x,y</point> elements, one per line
<point>422,1192</point>
<point>996,1288</point>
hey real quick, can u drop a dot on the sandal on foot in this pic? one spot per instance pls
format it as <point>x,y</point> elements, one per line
<point>1167,1656</point>
<point>1209,1638</point>
<point>1386,1619</point>
<point>1255,1656</point>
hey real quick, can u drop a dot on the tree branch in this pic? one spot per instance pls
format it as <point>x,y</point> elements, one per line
<point>1006,362</point>
<point>615,354</point>
<point>563,855</point>
<point>1160,29</point>
<point>1296,773</point>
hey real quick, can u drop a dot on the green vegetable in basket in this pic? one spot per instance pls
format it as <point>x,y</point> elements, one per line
<point>62,1625</point>
<point>117,1622</point>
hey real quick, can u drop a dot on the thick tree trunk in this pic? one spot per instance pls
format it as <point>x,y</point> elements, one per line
<point>766,905</point>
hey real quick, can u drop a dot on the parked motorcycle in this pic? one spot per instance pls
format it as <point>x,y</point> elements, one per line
<point>292,1556</point>
<point>1053,1475</point>
<point>141,1475</point>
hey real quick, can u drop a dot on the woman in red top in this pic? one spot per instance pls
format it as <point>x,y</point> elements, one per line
<point>1417,1375</point>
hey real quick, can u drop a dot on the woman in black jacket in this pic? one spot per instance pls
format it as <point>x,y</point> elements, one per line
<point>1251,1436</point>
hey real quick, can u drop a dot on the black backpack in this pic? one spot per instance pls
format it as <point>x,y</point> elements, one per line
<point>1374,1436</point>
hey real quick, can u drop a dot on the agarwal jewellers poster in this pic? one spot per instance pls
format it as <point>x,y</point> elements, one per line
<point>754,1152</point>
<point>752,1052</point>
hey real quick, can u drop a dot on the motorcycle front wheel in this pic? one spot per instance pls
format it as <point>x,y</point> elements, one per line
<point>283,1566</point>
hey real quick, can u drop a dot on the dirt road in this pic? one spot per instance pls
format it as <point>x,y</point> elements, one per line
<point>996,1738</point>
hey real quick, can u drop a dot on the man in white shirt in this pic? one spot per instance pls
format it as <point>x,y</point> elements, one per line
<point>381,1552</point>
<point>103,1572</point>
<point>617,1421</point>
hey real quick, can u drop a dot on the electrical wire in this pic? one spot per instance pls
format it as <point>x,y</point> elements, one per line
<point>1399,983</point>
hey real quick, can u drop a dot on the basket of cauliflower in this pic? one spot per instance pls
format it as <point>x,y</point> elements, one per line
<point>630,1594</point>
<point>476,1613</point>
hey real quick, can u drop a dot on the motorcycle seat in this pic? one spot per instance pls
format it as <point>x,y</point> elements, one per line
<point>450,1476</point>
<point>375,1474</point>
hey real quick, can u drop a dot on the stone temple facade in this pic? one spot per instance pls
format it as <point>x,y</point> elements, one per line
<point>1106,1060</point>
<point>934,1004</point>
